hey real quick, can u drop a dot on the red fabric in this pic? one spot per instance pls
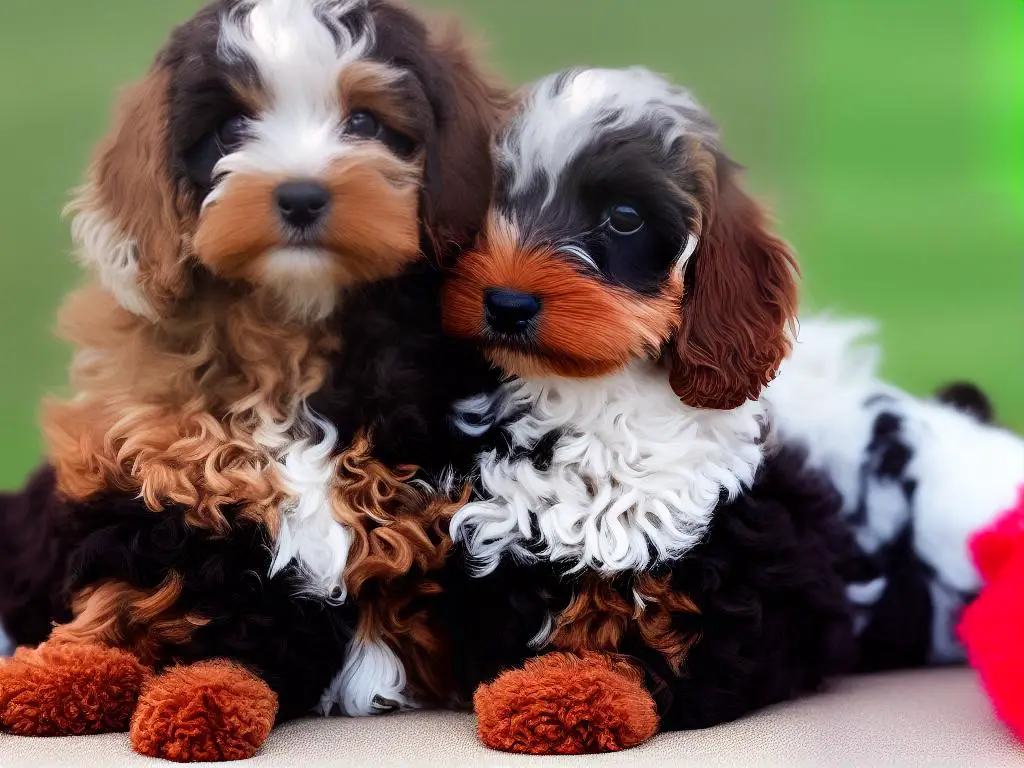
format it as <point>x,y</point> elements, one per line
<point>992,628</point>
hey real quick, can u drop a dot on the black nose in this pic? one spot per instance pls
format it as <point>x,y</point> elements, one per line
<point>509,311</point>
<point>302,203</point>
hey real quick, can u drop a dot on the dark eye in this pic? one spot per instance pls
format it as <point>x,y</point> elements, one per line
<point>363,124</point>
<point>231,133</point>
<point>623,219</point>
<point>203,156</point>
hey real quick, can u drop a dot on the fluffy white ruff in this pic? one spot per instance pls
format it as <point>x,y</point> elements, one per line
<point>827,397</point>
<point>372,681</point>
<point>634,480</point>
<point>310,535</point>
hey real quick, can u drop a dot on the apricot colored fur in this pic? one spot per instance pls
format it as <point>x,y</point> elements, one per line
<point>400,540</point>
<point>172,410</point>
<point>563,704</point>
<point>61,689</point>
<point>206,712</point>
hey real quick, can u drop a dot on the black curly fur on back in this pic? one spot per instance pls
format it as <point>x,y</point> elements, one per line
<point>769,582</point>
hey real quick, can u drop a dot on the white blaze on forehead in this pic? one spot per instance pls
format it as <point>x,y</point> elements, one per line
<point>298,48</point>
<point>565,112</point>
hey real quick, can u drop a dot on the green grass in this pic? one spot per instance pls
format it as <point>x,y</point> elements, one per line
<point>886,134</point>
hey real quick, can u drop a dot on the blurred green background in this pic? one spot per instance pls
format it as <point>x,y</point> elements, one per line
<point>888,136</point>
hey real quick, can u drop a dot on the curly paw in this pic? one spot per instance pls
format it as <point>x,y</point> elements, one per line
<point>206,712</point>
<point>563,704</point>
<point>68,689</point>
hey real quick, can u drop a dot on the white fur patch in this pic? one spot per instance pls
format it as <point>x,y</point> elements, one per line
<point>301,279</point>
<point>562,113</point>
<point>299,48</point>
<point>634,478</point>
<point>965,473</point>
<point>372,681</point>
<point>310,535</point>
<point>102,248</point>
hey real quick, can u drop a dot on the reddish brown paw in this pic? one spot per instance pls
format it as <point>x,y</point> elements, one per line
<point>206,712</point>
<point>563,704</point>
<point>68,689</point>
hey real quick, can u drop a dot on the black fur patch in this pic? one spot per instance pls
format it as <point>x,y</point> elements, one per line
<point>398,376</point>
<point>33,546</point>
<point>295,643</point>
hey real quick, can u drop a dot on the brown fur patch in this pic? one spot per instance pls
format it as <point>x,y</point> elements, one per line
<point>585,328</point>
<point>458,179</point>
<point>400,540</point>
<point>129,185</point>
<point>741,302</point>
<point>371,85</point>
<point>240,227</point>
<point>69,690</point>
<point>599,617</point>
<point>146,622</point>
<point>374,227</point>
<point>206,712</point>
<point>171,410</point>
<point>564,704</point>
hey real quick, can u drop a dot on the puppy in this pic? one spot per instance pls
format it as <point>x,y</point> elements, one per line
<point>256,225</point>
<point>918,478</point>
<point>628,519</point>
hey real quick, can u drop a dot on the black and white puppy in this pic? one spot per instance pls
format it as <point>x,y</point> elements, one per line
<point>628,516</point>
<point>917,478</point>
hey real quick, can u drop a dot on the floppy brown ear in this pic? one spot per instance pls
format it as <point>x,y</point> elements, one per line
<point>459,174</point>
<point>739,302</point>
<point>129,220</point>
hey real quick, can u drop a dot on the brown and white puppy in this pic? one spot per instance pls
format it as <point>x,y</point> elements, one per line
<point>278,153</point>
<point>281,160</point>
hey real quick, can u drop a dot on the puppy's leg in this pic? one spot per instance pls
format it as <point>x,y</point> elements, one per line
<point>205,712</point>
<point>63,689</point>
<point>564,704</point>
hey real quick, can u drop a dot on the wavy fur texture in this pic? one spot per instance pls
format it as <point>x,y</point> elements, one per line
<point>767,586</point>
<point>630,477</point>
<point>294,643</point>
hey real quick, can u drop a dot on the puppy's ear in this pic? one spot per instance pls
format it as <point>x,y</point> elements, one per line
<point>129,222</point>
<point>459,172</point>
<point>739,301</point>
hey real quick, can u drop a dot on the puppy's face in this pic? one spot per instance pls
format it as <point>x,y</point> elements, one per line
<point>617,233</point>
<point>294,146</point>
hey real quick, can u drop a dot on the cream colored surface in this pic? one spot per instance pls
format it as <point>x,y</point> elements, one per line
<point>937,718</point>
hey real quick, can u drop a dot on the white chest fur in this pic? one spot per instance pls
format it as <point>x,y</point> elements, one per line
<point>633,479</point>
